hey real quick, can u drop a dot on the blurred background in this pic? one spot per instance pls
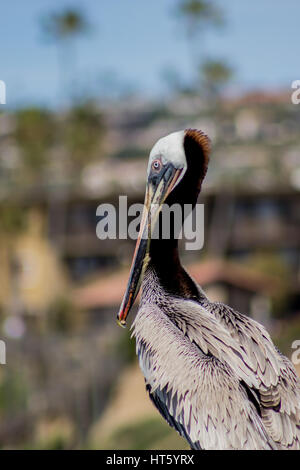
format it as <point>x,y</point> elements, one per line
<point>90,87</point>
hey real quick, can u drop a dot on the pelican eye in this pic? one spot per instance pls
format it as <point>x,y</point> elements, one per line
<point>156,165</point>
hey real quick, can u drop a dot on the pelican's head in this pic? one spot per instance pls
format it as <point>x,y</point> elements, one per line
<point>168,154</point>
<point>170,160</point>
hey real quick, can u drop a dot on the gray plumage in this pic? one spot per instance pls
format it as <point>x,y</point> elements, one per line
<point>214,374</point>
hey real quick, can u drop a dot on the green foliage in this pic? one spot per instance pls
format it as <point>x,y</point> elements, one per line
<point>289,332</point>
<point>82,132</point>
<point>35,131</point>
<point>62,316</point>
<point>126,344</point>
<point>13,391</point>
<point>12,219</point>
<point>215,74</point>
<point>130,152</point>
<point>270,264</point>
<point>199,14</point>
<point>57,443</point>
<point>274,265</point>
<point>141,435</point>
<point>64,25</point>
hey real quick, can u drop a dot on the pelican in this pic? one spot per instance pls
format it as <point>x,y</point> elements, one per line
<point>213,373</point>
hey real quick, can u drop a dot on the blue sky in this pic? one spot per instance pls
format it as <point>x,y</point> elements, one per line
<point>133,41</point>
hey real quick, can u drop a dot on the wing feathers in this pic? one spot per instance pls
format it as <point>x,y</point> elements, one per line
<point>198,394</point>
<point>279,388</point>
<point>229,387</point>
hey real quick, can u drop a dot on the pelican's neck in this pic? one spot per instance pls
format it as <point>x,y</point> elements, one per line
<point>172,277</point>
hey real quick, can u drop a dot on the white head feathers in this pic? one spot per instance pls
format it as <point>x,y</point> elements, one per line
<point>170,149</point>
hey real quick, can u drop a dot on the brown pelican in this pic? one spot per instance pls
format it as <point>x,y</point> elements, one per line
<point>213,373</point>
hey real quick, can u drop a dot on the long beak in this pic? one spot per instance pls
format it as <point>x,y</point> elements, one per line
<point>154,199</point>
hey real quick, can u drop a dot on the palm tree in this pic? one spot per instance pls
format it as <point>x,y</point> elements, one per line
<point>63,28</point>
<point>215,75</point>
<point>198,16</point>
<point>83,132</point>
<point>12,224</point>
<point>35,135</point>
